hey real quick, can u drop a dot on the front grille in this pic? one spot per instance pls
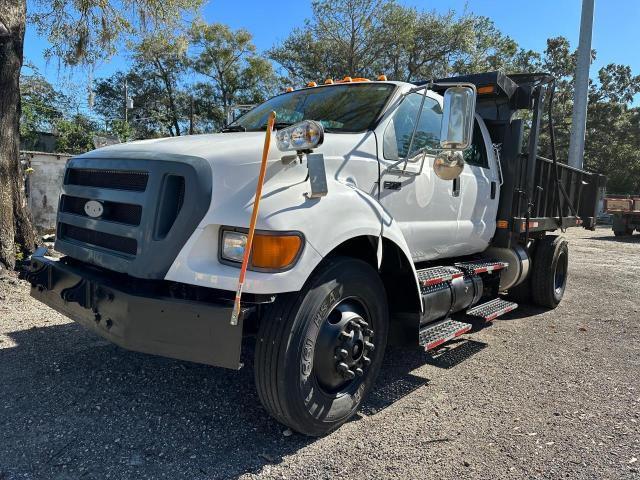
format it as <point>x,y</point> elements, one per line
<point>115,179</point>
<point>99,239</point>
<point>170,204</point>
<point>127,213</point>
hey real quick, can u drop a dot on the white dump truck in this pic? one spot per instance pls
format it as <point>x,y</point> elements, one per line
<point>391,213</point>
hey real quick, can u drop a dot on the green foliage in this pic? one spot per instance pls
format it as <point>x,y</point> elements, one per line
<point>42,105</point>
<point>234,72</point>
<point>90,30</point>
<point>370,37</point>
<point>75,135</point>
<point>612,144</point>
<point>212,67</point>
<point>341,38</point>
<point>162,59</point>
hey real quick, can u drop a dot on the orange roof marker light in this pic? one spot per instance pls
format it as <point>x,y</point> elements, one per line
<point>486,90</point>
<point>382,78</point>
<point>360,79</point>
<point>346,80</point>
<point>312,84</point>
<point>289,89</point>
<point>328,81</point>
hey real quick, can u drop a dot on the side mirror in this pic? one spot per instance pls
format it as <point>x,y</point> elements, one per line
<point>457,118</point>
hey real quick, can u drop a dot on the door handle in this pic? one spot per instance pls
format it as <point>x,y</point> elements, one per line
<point>456,187</point>
<point>493,190</point>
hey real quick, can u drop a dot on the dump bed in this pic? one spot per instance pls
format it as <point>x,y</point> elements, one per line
<point>538,194</point>
<point>622,204</point>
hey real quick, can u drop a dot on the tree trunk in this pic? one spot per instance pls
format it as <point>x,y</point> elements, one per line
<point>16,230</point>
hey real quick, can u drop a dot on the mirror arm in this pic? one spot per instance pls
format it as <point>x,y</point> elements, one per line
<point>415,129</point>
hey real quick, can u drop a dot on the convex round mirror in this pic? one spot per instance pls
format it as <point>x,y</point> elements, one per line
<point>448,164</point>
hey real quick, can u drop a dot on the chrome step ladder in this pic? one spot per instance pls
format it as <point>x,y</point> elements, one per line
<point>491,310</point>
<point>435,334</point>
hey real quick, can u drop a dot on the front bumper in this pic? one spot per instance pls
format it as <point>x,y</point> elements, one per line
<point>145,322</point>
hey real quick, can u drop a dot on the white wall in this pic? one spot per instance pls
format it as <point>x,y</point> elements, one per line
<point>45,183</point>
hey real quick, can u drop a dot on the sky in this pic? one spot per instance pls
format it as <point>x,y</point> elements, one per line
<point>615,32</point>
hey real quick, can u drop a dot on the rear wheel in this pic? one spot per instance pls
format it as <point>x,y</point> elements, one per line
<point>550,269</point>
<point>319,350</point>
<point>623,233</point>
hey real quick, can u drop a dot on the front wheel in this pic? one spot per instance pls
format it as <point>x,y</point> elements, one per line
<point>318,351</point>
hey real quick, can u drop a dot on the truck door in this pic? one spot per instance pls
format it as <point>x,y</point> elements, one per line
<point>425,206</point>
<point>479,191</point>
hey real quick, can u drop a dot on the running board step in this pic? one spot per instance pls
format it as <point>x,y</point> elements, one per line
<point>434,335</point>
<point>429,277</point>
<point>481,266</point>
<point>491,310</point>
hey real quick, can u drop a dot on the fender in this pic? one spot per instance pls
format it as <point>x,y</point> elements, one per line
<point>346,202</point>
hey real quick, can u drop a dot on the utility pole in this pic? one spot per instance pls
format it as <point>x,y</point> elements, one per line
<point>581,88</point>
<point>126,102</point>
<point>191,115</point>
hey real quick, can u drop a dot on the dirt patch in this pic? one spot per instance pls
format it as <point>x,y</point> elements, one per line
<point>538,395</point>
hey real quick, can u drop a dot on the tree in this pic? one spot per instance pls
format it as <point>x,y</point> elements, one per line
<point>75,135</point>
<point>233,70</point>
<point>340,39</point>
<point>78,31</point>
<point>163,58</point>
<point>42,106</point>
<point>152,114</point>
<point>612,144</point>
<point>422,45</point>
<point>370,37</point>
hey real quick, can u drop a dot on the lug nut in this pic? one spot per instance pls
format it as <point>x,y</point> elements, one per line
<point>359,372</point>
<point>369,346</point>
<point>345,336</point>
<point>363,323</point>
<point>343,353</point>
<point>354,324</point>
<point>344,369</point>
<point>366,361</point>
<point>368,332</point>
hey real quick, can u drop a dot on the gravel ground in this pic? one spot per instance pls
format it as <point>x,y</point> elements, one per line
<point>538,395</point>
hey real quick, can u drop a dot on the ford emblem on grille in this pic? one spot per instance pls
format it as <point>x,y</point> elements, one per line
<point>93,208</point>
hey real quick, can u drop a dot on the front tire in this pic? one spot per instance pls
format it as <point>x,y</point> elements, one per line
<point>550,271</point>
<point>319,351</point>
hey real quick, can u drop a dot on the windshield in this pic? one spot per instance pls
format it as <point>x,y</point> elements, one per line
<point>339,108</point>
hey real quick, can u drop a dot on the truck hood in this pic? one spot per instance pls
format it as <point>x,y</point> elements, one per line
<point>207,146</point>
<point>222,149</point>
<point>234,160</point>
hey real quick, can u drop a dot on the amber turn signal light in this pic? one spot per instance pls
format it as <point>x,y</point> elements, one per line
<point>275,252</point>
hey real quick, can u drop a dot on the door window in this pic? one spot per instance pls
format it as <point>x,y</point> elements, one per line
<point>397,135</point>
<point>476,154</point>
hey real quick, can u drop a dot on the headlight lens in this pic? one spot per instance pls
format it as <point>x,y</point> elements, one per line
<point>301,136</point>
<point>233,244</point>
<point>269,251</point>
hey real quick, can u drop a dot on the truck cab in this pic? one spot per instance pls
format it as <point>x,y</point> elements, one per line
<point>389,212</point>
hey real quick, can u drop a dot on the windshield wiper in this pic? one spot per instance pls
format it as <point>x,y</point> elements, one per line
<point>277,125</point>
<point>233,128</point>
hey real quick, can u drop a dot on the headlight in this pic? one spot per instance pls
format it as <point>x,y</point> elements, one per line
<point>271,251</point>
<point>233,244</point>
<point>301,136</point>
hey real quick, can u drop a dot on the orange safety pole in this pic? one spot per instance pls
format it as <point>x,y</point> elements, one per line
<point>254,216</point>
